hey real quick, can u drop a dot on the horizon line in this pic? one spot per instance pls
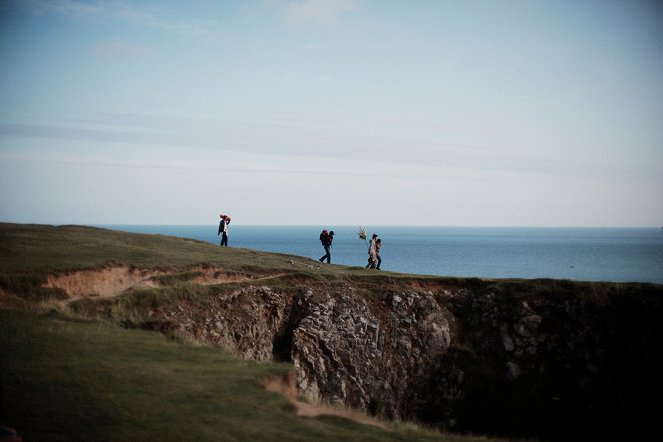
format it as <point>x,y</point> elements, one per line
<point>341,225</point>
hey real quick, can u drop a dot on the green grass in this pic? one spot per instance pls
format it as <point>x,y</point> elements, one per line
<point>43,249</point>
<point>87,379</point>
<point>70,375</point>
<point>28,253</point>
<point>48,248</point>
<point>63,379</point>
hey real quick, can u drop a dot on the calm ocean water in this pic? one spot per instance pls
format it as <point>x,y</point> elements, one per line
<point>589,254</point>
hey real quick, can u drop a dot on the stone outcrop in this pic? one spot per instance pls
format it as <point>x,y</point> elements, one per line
<point>500,359</point>
<point>346,351</point>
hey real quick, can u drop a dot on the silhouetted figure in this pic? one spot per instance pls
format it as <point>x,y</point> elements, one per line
<point>223,229</point>
<point>326,240</point>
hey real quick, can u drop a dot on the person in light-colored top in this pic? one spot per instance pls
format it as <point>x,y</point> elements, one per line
<point>378,245</point>
<point>372,256</point>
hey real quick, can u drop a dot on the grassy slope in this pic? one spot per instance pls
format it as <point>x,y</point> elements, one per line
<point>66,379</point>
<point>49,248</point>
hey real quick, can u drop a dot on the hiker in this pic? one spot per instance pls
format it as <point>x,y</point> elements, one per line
<point>223,228</point>
<point>326,240</point>
<point>372,257</point>
<point>378,245</point>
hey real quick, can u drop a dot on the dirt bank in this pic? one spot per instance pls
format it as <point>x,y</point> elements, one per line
<point>103,283</point>
<point>287,386</point>
<point>113,281</point>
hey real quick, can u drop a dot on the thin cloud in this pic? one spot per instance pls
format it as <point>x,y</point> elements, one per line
<point>318,12</point>
<point>65,7</point>
<point>121,49</point>
<point>261,138</point>
<point>9,159</point>
<point>129,14</point>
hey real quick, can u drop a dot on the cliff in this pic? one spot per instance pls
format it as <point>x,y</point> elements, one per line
<point>547,359</point>
<point>541,359</point>
<point>544,359</point>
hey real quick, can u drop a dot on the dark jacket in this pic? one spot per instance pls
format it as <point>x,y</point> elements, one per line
<point>222,226</point>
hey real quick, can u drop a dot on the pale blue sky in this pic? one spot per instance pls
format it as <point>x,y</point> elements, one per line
<point>347,112</point>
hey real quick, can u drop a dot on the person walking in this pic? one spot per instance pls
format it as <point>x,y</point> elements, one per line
<point>378,245</point>
<point>372,258</point>
<point>223,229</point>
<point>326,240</point>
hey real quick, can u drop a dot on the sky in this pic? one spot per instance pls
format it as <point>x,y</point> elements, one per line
<point>332,112</point>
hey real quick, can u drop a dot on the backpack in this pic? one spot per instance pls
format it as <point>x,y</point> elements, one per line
<point>323,237</point>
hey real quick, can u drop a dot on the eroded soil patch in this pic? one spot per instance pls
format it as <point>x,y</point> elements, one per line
<point>212,275</point>
<point>106,282</point>
<point>115,280</point>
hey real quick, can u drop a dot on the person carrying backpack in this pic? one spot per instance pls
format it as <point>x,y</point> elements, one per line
<point>326,240</point>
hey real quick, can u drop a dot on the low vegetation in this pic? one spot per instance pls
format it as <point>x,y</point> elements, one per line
<point>82,366</point>
<point>65,376</point>
<point>65,379</point>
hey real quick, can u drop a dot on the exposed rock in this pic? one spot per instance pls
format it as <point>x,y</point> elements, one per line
<point>506,339</point>
<point>512,370</point>
<point>394,353</point>
<point>353,348</point>
<point>346,351</point>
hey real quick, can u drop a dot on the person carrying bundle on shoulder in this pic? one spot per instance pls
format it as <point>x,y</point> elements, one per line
<point>223,228</point>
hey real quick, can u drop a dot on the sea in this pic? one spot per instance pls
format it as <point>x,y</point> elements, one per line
<point>587,254</point>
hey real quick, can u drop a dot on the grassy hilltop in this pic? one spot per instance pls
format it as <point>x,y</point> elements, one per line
<point>69,372</point>
<point>543,359</point>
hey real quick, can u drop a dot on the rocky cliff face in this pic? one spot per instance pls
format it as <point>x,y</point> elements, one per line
<point>368,356</point>
<point>526,359</point>
<point>346,349</point>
